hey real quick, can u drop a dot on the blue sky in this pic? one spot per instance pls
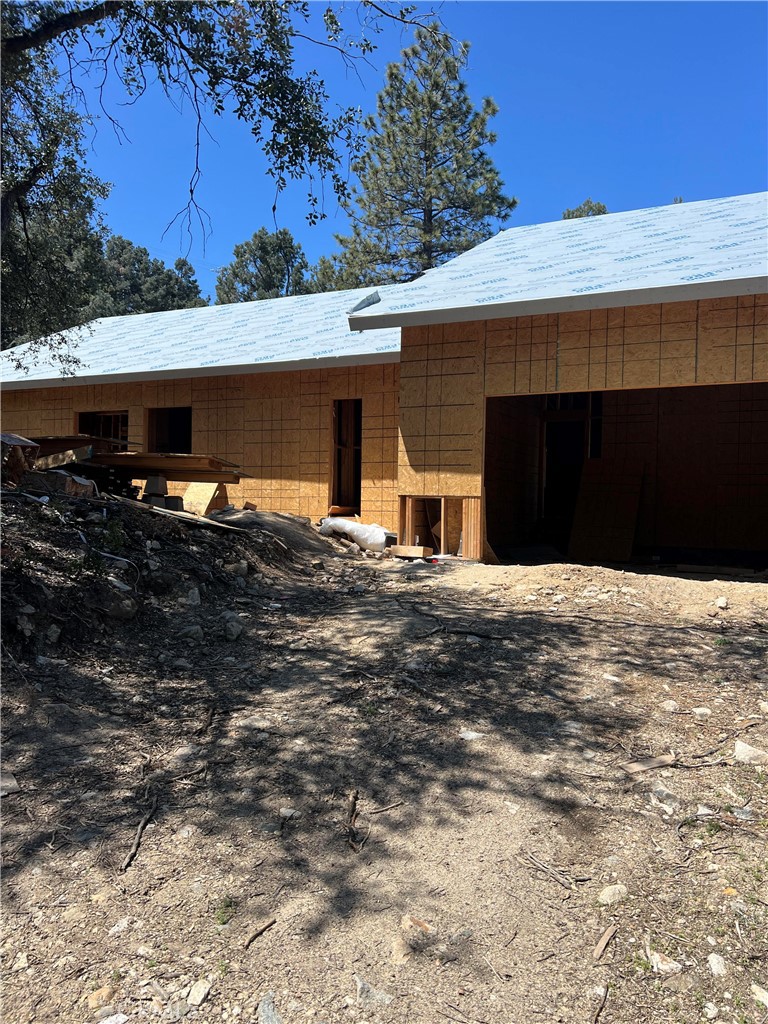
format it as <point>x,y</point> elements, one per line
<point>629,103</point>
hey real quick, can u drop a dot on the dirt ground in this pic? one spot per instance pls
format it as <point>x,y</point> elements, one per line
<point>260,780</point>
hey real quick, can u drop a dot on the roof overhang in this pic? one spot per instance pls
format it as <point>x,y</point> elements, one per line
<point>368,319</point>
<point>329,362</point>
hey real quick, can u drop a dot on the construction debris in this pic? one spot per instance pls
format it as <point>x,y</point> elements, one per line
<point>18,456</point>
<point>410,551</point>
<point>65,458</point>
<point>57,481</point>
<point>367,536</point>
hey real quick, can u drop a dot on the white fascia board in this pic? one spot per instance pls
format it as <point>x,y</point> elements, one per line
<point>562,304</point>
<point>248,369</point>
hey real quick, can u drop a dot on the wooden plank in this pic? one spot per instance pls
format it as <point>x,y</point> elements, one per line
<point>174,467</point>
<point>452,508</point>
<point>198,497</point>
<point>57,481</point>
<point>472,529</point>
<point>410,520</point>
<point>401,520</point>
<point>64,458</point>
<point>187,517</point>
<point>410,551</point>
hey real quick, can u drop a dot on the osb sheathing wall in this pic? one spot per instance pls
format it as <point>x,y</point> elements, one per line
<point>448,370</point>
<point>276,426</point>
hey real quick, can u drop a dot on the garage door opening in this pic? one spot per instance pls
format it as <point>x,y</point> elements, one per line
<point>653,476</point>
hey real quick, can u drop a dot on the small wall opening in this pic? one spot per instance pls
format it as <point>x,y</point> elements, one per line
<point>439,523</point>
<point>170,430</point>
<point>112,426</point>
<point>347,455</point>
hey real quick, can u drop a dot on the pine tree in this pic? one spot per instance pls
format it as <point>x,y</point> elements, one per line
<point>131,281</point>
<point>428,188</point>
<point>267,266</point>
<point>589,208</point>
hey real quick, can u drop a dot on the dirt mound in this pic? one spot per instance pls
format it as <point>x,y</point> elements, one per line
<point>75,567</point>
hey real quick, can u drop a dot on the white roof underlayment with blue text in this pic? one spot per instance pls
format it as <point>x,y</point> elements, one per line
<point>708,249</point>
<point>299,332</point>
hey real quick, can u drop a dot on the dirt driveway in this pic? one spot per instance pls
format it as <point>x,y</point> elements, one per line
<point>390,792</point>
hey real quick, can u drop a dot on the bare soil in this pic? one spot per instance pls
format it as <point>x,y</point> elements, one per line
<point>372,791</point>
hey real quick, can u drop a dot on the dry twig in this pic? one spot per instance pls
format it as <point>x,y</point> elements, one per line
<point>206,724</point>
<point>259,931</point>
<point>605,938</point>
<point>558,876</point>
<point>601,1007</point>
<point>389,807</point>
<point>139,833</point>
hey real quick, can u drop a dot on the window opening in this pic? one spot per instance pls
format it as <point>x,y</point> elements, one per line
<point>112,426</point>
<point>170,430</point>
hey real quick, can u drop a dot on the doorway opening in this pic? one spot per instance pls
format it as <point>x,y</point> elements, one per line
<point>347,455</point>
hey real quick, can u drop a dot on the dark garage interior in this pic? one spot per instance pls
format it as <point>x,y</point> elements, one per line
<point>670,475</point>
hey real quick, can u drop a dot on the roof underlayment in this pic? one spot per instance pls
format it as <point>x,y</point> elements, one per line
<point>671,253</point>
<point>300,332</point>
<point>708,249</point>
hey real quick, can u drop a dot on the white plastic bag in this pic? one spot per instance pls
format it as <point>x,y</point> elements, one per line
<point>368,536</point>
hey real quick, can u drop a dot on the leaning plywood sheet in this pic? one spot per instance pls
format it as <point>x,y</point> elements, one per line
<point>606,511</point>
<point>198,497</point>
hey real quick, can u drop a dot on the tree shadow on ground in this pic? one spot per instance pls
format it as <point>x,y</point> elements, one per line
<point>423,701</point>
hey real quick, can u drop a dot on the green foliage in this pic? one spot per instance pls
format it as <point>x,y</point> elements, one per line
<point>269,265</point>
<point>92,564</point>
<point>51,232</point>
<point>229,56</point>
<point>131,281</point>
<point>225,910</point>
<point>330,274</point>
<point>588,208</point>
<point>226,56</point>
<point>428,188</point>
<point>114,536</point>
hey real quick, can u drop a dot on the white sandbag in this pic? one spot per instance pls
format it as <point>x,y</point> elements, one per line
<point>368,536</point>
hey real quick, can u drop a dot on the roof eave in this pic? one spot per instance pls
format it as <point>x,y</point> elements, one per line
<point>366,359</point>
<point>364,321</point>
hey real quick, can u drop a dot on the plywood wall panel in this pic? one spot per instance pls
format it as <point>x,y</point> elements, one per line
<point>670,345</point>
<point>277,426</point>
